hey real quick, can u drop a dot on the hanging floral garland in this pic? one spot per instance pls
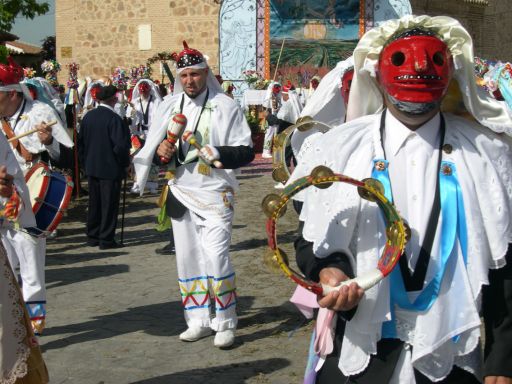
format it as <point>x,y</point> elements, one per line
<point>50,68</point>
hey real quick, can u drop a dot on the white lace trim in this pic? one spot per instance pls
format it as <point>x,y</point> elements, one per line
<point>16,369</point>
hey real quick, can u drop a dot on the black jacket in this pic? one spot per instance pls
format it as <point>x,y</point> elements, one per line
<point>104,144</point>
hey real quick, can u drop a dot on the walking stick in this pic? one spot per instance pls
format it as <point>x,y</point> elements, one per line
<point>278,60</point>
<point>123,209</point>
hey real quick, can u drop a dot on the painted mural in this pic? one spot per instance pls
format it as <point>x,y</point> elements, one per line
<point>316,33</point>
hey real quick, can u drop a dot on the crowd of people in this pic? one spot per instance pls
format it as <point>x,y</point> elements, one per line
<point>445,169</point>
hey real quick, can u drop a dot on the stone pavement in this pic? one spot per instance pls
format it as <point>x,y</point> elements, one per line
<point>114,316</point>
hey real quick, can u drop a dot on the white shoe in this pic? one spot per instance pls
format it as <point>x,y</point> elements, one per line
<point>195,333</point>
<point>135,190</point>
<point>279,186</point>
<point>224,339</point>
<point>266,155</point>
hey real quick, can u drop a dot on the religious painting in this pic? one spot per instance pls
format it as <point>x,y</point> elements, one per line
<point>316,35</point>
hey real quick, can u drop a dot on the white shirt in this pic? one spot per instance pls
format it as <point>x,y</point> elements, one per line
<point>187,174</point>
<point>413,161</point>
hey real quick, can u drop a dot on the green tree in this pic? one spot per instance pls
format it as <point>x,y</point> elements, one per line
<point>48,48</point>
<point>10,9</point>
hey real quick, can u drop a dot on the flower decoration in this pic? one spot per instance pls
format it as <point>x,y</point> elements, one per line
<point>144,72</point>
<point>73,75</point>
<point>51,68</point>
<point>134,76</point>
<point>29,72</point>
<point>120,79</point>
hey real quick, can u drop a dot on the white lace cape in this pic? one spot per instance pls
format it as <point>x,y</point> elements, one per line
<point>14,351</point>
<point>336,219</point>
<point>326,104</point>
<point>290,109</point>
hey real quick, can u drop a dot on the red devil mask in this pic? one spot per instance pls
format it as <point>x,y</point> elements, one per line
<point>346,83</point>
<point>276,89</point>
<point>416,68</point>
<point>144,89</point>
<point>95,91</point>
<point>314,83</point>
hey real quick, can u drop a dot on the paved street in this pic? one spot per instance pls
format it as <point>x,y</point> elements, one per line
<point>114,316</point>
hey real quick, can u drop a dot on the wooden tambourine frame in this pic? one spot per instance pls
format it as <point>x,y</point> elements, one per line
<point>274,206</point>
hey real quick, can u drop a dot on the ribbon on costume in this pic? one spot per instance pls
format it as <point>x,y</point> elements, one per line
<point>453,227</point>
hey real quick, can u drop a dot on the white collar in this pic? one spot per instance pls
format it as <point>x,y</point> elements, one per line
<point>198,100</point>
<point>107,106</point>
<point>396,133</point>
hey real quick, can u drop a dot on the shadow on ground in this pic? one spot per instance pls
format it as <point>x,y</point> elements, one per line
<point>236,373</point>
<point>148,318</point>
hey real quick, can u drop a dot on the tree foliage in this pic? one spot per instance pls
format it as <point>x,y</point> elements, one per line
<point>10,9</point>
<point>48,48</point>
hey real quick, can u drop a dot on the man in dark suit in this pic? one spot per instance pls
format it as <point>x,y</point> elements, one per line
<point>104,150</point>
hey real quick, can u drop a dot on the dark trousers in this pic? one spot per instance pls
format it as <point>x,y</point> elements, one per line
<point>381,367</point>
<point>104,198</point>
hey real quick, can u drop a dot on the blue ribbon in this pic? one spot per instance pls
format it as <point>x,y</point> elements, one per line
<point>453,227</point>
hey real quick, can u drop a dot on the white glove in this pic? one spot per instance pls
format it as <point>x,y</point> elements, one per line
<point>209,154</point>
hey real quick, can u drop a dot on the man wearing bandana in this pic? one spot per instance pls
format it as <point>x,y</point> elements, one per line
<point>450,179</point>
<point>200,201</point>
<point>21,114</point>
<point>144,103</point>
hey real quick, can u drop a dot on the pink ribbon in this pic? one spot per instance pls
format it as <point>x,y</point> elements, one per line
<point>306,302</point>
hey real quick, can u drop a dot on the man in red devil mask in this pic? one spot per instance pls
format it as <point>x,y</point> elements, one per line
<point>272,103</point>
<point>145,101</point>
<point>450,179</point>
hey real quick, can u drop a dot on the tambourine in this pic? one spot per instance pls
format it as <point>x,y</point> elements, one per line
<point>280,171</point>
<point>274,207</point>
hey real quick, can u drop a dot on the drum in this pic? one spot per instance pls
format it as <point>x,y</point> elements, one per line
<point>50,193</point>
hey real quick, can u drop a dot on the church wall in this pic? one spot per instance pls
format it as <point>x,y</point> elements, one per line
<point>102,34</point>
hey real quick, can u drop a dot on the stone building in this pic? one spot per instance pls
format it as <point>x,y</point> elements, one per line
<point>102,34</point>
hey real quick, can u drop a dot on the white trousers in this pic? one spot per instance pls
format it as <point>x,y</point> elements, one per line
<point>29,254</point>
<point>205,274</point>
<point>269,139</point>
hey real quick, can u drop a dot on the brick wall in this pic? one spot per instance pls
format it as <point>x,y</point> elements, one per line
<point>489,26</point>
<point>103,34</point>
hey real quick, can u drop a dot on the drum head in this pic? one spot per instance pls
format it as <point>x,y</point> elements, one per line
<point>38,180</point>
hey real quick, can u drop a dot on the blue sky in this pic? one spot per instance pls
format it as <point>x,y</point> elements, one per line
<point>33,31</point>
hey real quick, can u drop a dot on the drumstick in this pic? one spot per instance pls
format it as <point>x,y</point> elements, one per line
<point>14,138</point>
<point>189,137</point>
